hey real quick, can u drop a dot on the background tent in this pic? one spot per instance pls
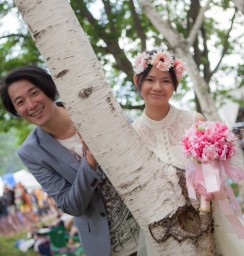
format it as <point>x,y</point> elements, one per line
<point>23,176</point>
<point>27,179</point>
<point>8,179</point>
<point>1,187</point>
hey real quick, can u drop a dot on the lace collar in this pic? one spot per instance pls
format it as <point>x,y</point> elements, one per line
<point>166,121</point>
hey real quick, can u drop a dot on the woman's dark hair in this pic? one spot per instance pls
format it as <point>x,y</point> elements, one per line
<point>143,75</point>
<point>35,75</point>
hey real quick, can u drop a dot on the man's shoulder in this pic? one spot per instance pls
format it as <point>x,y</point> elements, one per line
<point>30,141</point>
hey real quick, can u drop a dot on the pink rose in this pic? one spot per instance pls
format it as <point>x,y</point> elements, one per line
<point>209,153</point>
<point>206,141</point>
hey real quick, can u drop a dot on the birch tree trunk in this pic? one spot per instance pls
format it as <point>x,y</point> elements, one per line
<point>154,192</point>
<point>181,49</point>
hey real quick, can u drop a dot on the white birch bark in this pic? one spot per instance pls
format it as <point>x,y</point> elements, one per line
<point>181,49</point>
<point>152,190</point>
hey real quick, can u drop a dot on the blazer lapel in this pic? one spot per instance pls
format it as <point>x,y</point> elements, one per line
<point>53,147</point>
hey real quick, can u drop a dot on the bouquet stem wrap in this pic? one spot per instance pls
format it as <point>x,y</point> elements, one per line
<point>211,176</point>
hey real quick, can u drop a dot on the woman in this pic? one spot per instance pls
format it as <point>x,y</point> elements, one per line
<point>66,170</point>
<point>162,127</point>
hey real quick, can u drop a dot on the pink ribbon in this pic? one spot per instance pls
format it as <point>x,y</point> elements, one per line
<point>234,169</point>
<point>209,179</point>
<point>190,170</point>
<point>195,180</point>
<point>211,176</point>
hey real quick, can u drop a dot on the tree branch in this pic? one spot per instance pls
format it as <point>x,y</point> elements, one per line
<point>111,41</point>
<point>137,24</point>
<point>108,10</point>
<point>225,45</point>
<point>163,26</point>
<point>13,35</point>
<point>197,25</point>
<point>206,64</point>
<point>130,107</point>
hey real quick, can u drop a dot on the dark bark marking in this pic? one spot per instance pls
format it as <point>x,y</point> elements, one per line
<point>62,73</point>
<point>37,35</point>
<point>182,182</point>
<point>110,103</point>
<point>185,223</point>
<point>85,93</point>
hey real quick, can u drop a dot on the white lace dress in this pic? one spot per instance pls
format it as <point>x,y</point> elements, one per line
<point>163,137</point>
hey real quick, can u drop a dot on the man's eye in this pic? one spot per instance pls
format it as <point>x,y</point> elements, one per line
<point>34,93</point>
<point>19,103</point>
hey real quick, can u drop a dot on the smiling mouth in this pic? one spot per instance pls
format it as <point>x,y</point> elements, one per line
<point>154,94</point>
<point>37,113</point>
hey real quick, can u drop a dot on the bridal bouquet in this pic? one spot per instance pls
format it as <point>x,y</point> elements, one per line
<point>211,151</point>
<point>207,141</point>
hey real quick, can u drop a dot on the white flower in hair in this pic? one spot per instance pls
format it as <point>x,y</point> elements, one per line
<point>141,62</point>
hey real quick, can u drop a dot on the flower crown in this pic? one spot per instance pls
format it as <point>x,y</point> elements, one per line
<point>162,60</point>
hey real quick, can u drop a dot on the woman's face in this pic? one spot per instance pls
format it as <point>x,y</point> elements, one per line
<point>157,88</point>
<point>31,103</point>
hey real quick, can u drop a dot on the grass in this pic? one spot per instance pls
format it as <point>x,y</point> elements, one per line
<point>7,242</point>
<point>7,245</point>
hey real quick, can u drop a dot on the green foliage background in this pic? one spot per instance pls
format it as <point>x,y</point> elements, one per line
<point>9,160</point>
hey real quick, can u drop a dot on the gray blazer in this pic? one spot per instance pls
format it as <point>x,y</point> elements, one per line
<point>72,185</point>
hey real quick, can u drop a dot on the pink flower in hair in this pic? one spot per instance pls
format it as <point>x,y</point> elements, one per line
<point>179,69</point>
<point>162,60</point>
